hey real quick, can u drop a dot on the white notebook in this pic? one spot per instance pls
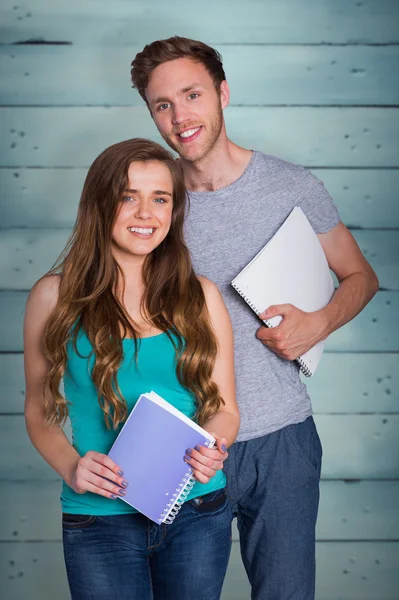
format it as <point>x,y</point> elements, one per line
<point>291,269</point>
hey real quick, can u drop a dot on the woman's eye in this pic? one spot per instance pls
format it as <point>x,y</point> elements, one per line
<point>127,199</point>
<point>160,200</point>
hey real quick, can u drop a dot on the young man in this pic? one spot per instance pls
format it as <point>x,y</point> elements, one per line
<point>238,200</point>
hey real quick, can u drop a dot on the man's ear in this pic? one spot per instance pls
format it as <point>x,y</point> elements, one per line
<point>224,94</point>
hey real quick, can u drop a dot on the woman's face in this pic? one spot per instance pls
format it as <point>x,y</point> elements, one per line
<point>145,214</point>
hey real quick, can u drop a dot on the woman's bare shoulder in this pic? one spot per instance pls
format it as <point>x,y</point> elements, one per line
<point>208,286</point>
<point>213,297</point>
<point>45,292</point>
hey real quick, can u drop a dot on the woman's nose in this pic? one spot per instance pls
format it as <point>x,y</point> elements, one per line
<point>143,210</point>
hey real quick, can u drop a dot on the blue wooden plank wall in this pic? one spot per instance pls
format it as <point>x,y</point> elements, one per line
<point>313,81</point>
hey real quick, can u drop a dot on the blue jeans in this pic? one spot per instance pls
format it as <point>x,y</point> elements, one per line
<point>273,488</point>
<point>128,557</point>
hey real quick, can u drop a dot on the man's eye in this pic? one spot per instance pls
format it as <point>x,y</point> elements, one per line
<point>163,106</point>
<point>193,95</point>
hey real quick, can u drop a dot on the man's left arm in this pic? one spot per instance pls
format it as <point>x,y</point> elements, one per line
<point>299,331</point>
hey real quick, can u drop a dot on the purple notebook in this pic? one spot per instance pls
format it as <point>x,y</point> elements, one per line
<point>150,450</point>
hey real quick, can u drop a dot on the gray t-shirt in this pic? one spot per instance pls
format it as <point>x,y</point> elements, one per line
<point>224,230</point>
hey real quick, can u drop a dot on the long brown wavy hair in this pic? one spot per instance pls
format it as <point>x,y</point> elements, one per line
<point>173,300</point>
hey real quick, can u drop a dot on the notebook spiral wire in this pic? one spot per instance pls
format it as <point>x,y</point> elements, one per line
<point>244,297</point>
<point>181,495</point>
<point>305,370</point>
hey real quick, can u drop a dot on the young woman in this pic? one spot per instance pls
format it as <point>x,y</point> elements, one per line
<point>122,313</point>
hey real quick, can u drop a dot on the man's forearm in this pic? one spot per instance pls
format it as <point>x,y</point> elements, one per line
<point>352,295</point>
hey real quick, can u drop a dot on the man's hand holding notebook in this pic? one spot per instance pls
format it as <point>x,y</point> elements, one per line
<point>291,277</point>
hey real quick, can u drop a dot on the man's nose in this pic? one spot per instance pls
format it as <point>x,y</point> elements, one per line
<point>180,114</point>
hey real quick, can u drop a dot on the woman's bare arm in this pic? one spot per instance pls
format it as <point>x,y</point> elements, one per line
<point>82,474</point>
<point>225,423</point>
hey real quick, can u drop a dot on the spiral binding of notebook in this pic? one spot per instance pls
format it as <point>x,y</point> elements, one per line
<point>304,369</point>
<point>180,496</point>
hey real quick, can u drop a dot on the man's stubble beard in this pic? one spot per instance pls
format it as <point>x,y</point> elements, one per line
<point>214,129</point>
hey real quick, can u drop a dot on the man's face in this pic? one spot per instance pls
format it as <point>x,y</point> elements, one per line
<point>186,107</point>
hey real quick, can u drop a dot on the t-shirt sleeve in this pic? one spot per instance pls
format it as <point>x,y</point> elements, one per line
<point>318,205</point>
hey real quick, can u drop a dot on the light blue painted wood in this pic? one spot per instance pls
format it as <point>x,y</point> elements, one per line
<point>374,330</point>
<point>348,511</point>
<point>27,464</point>
<point>366,446</point>
<point>362,571</point>
<point>355,446</point>
<point>43,197</point>
<point>381,249</point>
<point>34,570</point>
<point>27,254</point>
<point>355,383</point>
<point>333,137</point>
<point>343,384</point>
<point>367,199</point>
<point>344,572</point>
<point>308,75</point>
<point>12,383</point>
<point>357,571</point>
<point>22,252</point>
<point>13,310</point>
<point>227,21</point>
<point>32,511</point>
<point>358,510</point>
<point>49,197</point>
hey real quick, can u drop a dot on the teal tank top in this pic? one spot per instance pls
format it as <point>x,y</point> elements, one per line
<point>155,369</point>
